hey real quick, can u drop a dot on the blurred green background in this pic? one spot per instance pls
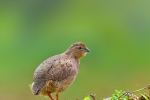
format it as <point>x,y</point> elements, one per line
<point>116,31</point>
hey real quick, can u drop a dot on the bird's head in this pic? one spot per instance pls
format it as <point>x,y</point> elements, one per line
<point>77,50</point>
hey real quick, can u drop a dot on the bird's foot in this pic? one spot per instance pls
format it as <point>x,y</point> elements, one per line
<point>57,96</point>
<point>51,98</point>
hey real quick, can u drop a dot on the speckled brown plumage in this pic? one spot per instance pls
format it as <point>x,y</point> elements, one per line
<point>58,72</point>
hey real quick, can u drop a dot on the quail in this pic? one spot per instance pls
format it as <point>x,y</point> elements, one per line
<point>57,73</point>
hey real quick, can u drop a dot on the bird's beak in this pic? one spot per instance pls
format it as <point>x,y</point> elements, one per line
<point>86,50</point>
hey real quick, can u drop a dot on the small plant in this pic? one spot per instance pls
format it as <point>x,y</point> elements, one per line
<point>87,98</point>
<point>122,95</point>
<point>119,95</point>
<point>144,96</point>
<point>90,96</point>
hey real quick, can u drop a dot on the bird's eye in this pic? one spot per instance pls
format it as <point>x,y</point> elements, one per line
<point>79,48</point>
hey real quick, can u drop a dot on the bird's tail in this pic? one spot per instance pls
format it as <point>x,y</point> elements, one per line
<point>35,89</point>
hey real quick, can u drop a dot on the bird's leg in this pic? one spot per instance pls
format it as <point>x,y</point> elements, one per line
<point>57,96</point>
<point>50,96</point>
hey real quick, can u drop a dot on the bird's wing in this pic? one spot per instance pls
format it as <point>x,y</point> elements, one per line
<point>61,69</point>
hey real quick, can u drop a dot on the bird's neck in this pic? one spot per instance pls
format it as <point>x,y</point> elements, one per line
<point>74,55</point>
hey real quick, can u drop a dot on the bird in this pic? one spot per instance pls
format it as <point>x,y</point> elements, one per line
<point>57,73</point>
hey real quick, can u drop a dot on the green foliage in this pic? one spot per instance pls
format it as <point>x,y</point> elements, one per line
<point>144,96</point>
<point>87,98</point>
<point>119,95</point>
